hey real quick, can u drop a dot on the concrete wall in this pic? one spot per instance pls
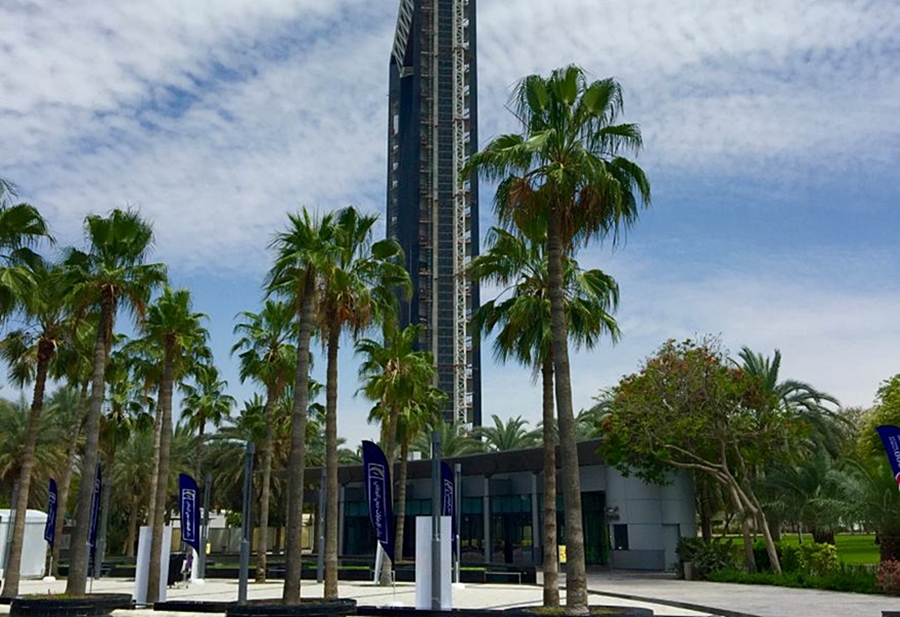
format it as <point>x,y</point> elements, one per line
<point>656,518</point>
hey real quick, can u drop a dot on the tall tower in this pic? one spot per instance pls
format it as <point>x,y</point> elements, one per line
<point>432,131</point>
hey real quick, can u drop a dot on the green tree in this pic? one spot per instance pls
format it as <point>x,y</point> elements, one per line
<point>357,290</point>
<point>455,441</point>
<point>689,409</point>
<point>173,326</point>
<point>566,169</point>
<point>268,355</point>
<point>111,275</point>
<point>509,435</point>
<point>517,264</point>
<point>204,402</point>
<point>29,353</point>
<point>21,228</point>
<point>303,252</point>
<point>47,456</point>
<point>392,374</point>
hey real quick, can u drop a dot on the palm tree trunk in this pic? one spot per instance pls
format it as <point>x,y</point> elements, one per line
<point>132,525</point>
<point>550,564</point>
<point>78,555</point>
<point>293,550</point>
<point>576,581</point>
<point>162,483</point>
<point>401,499</point>
<point>154,465</point>
<point>198,463</point>
<point>261,556</point>
<point>106,494</point>
<point>65,481</point>
<point>331,467</point>
<point>14,562</point>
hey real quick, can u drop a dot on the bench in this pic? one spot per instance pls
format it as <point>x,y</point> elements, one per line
<point>511,574</point>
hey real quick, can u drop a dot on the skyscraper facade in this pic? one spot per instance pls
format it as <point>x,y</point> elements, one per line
<point>431,210</point>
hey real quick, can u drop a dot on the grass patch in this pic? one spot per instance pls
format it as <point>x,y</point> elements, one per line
<point>852,549</point>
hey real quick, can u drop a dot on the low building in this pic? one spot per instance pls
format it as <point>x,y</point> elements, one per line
<point>628,523</point>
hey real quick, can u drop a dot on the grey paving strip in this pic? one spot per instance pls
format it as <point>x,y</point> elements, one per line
<point>713,611</point>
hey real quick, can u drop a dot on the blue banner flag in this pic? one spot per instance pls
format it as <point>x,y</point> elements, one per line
<point>95,509</point>
<point>50,525</point>
<point>190,514</point>
<point>448,499</point>
<point>890,436</point>
<point>378,493</point>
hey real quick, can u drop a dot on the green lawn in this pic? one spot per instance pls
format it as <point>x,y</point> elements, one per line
<point>852,549</point>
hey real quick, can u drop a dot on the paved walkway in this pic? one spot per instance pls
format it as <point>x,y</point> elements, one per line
<point>470,596</point>
<point>753,600</point>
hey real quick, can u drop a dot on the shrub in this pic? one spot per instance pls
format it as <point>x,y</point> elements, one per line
<point>888,578</point>
<point>706,557</point>
<point>791,559</point>
<point>844,578</point>
<point>819,559</point>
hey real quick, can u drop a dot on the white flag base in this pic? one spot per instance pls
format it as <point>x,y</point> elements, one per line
<point>48,579</point>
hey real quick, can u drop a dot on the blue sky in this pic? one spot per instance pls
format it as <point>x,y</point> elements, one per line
<point>770,129</point>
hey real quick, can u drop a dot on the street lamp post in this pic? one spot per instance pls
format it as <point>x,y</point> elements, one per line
<point>245,524</point>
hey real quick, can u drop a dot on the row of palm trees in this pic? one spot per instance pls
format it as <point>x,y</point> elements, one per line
<point>563,184</point>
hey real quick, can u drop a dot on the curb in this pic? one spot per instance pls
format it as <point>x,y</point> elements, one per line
<point>722,612</point>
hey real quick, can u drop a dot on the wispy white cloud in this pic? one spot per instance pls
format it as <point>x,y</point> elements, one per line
<point>218,117</point>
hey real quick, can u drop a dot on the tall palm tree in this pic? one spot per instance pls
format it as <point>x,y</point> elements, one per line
<point>356,291</point>
<point>111,275</point>
<point>509,435</point>
<point>518,264</point>
<point>29,352</point>
<point>565,168</point>
<point>392,373</point>
<point>269,357</point>
<point>47,456</point>
<point>172,325</point>
<point>424,411</point>
<point>303,253</point>
<point>72,366</point>
<point>204,402</point>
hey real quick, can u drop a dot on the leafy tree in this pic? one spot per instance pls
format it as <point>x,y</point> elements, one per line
<point>689,409</point>
<point>173,326</point>
<point>268,355</point>
<point>566,168</point>
<point>13,430</point>
<point>357,290</point>
<point>111,275</point>
<point>29,352</point>
<point>303,252</point>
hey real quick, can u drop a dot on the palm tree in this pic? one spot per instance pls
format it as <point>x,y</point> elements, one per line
<point>172,325</point>
<point>47,456</point>
<point>21,227</point>
<point>356,291</point>
<point>111,275</point>
<point>511,435</point>
<point>517,263</point>
<point>303,252</point>
<point>127,414</point>
<point>392,374</point>
<point>72,366</point>
<point>204,402</point>
<point>28,353</point>
<point>455,441</point>
<point>268,357</point>
<point>424,411</point>
<point>566,169</point>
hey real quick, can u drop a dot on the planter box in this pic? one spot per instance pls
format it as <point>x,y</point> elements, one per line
<point>307,608</point>
<point>95,605</point>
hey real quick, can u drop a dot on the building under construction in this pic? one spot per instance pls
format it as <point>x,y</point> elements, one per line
<point>431,211</point>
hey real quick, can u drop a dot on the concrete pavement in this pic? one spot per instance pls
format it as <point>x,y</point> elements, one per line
<point>471,596</point>
<point>752,600</point>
